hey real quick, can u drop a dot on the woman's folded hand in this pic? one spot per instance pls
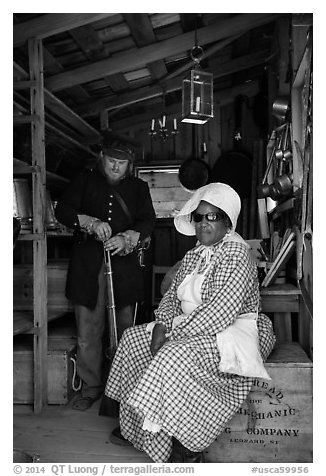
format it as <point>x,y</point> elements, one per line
<point>158,338</point>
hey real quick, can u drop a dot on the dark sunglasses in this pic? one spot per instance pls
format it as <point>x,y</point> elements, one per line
<point>211,216</point>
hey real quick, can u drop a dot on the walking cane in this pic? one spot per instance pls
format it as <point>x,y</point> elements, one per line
<point>113,344</point>
<point>109,407</point>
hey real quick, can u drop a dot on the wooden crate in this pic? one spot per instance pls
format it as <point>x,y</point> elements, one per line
<point>23,287</point>
<point>168,196</point>
<point>60,371</point>
<point>275,422</point>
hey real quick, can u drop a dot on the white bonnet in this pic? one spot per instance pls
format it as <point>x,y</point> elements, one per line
<point>218,194</point>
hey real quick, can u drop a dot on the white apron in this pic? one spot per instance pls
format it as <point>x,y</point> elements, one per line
<point>238,344</point>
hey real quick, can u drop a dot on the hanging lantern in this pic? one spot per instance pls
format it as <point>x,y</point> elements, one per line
<point>197,92</point>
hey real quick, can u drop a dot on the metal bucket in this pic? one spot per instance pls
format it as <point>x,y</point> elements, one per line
<point>22,457</point>
<point>22,202</point>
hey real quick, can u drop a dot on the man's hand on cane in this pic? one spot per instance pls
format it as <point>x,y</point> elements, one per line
<point>115,245</point>
<point>102,230</point>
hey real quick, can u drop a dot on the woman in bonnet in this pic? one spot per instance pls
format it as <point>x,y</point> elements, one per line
<point>181,378</point>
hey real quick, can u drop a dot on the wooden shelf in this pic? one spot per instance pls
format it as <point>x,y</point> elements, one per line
<point>59,234</point>
<point>23,321</point>
<point>286,289</point>
<point>21,168</point>
<point>50,234</point>
<point>28,236</point>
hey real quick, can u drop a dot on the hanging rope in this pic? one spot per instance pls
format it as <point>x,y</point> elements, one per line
<point>75,387</point>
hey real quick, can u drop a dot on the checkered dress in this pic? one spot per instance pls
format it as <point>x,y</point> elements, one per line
<point>182,388</point>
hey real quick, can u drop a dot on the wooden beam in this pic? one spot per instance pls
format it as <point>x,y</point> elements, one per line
<point>156,51</point>
<point>142,31</point>
<point>52,24</point>
<point>93,48</point>
<point>174,84</point>
<point>207,53</point>
<point>52,66</point>
<point>140,27</point>
<point>56,106</point>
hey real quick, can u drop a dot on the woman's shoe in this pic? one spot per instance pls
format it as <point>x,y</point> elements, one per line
<point>177,454</point>
<point>193,457</point>
<point>180,454</point>
<point>117,439</point>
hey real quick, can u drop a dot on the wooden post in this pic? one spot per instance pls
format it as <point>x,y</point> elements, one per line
<point>39,213</point>
<point>257,156</point>
<point>245,213</point>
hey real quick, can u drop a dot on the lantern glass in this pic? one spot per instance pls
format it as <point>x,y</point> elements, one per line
<point>197,97</point>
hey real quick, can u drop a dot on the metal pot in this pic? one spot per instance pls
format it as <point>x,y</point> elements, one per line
<point>274,193</point>
<point>284,184</point>
<point>193,174</point>
<point>268,190</point>
<point>263,190</point>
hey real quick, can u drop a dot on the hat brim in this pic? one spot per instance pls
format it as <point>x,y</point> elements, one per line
<point>118,154</point>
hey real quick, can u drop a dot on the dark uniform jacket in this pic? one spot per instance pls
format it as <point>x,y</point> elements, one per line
<point>91,194</point>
